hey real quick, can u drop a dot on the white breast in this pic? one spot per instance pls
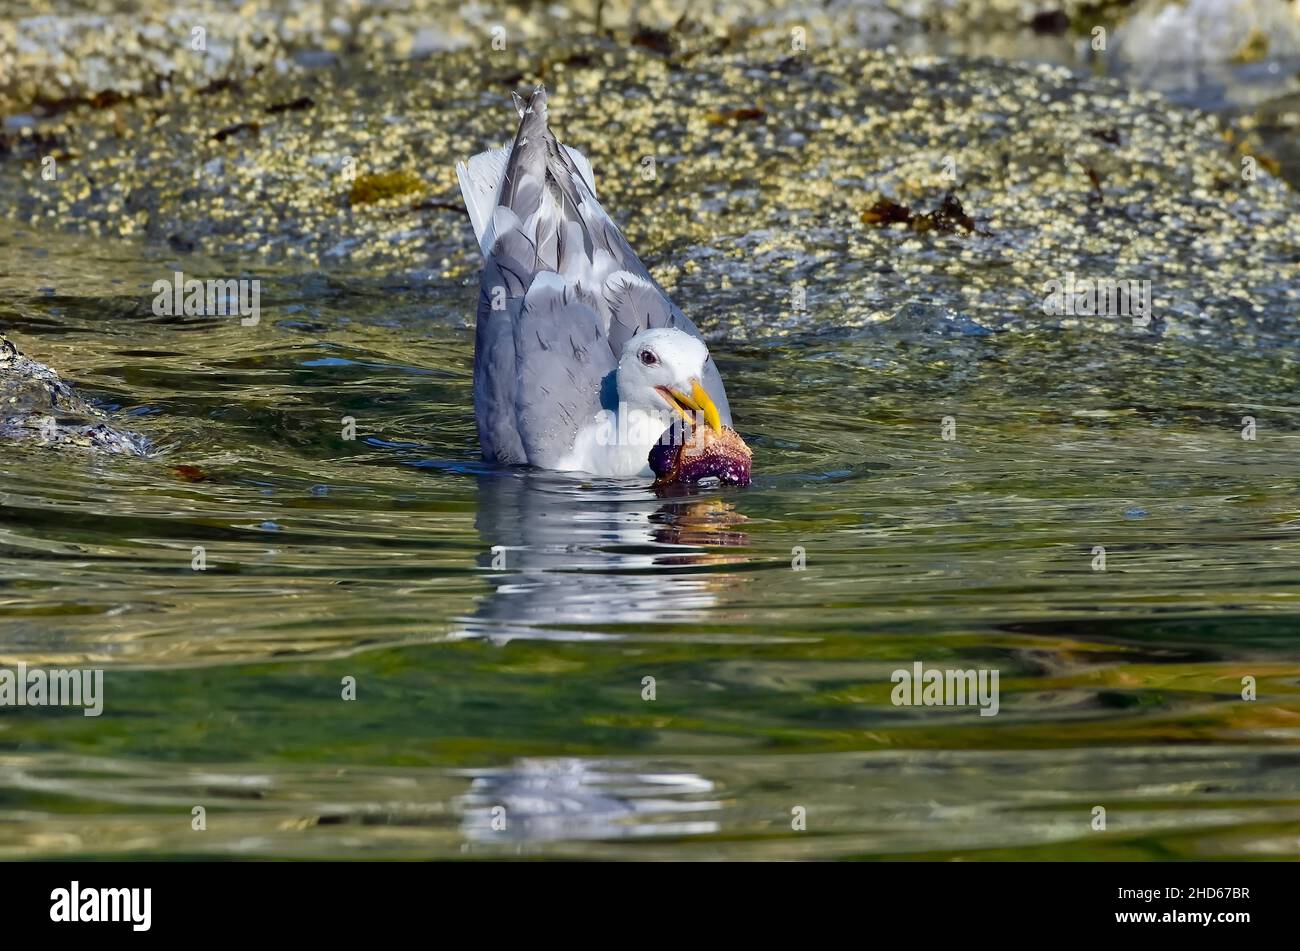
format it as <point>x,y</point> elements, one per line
<point>616,444</point>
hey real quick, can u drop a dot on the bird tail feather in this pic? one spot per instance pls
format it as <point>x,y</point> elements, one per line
<point>482,177</point>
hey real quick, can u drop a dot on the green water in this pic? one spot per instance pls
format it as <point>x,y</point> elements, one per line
<point>521,684</point>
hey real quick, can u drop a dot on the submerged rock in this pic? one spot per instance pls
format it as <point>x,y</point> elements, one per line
<point>37,406</point>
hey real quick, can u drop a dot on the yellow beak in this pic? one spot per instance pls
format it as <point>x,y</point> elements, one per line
<point>697,400</point>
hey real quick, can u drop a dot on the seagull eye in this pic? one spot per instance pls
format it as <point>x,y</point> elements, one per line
<point>648,358</point>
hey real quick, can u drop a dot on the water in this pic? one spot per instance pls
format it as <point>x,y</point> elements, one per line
<point>522,685</point>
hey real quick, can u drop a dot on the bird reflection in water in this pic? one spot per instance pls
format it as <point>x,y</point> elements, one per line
<point>567,558</point>
<point>547,800</point>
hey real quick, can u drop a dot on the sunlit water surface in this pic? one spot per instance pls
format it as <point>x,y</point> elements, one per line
<point>500,625</point>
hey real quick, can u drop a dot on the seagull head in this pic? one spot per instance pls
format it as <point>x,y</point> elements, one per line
<point>662,369</point>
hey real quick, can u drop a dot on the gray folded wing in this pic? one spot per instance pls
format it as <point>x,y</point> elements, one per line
<point>562,360</point>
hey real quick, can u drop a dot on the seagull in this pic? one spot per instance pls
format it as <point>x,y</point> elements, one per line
<point>581,362</point>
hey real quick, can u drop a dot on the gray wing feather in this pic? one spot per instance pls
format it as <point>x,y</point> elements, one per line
<point>561,361</point>
<point>495,381</point>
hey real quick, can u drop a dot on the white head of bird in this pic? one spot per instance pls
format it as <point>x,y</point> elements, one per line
<point>661,371</point>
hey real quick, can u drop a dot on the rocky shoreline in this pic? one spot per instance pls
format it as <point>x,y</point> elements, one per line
<point>741,158</point>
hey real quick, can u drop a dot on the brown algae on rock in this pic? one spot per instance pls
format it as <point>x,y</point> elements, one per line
<point>947,218</point>
<point>384,186</point>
